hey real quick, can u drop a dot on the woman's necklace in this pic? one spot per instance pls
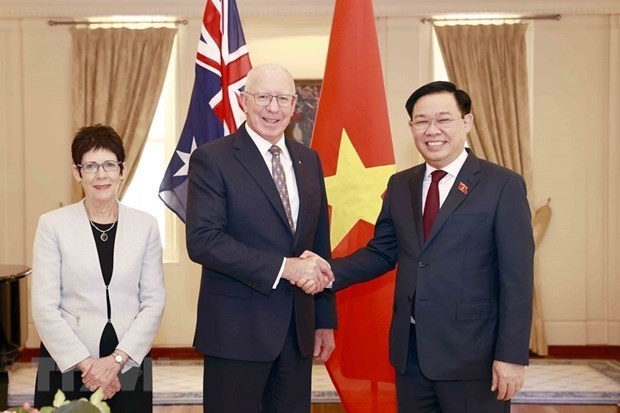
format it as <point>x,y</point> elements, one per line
<point>103,236</point>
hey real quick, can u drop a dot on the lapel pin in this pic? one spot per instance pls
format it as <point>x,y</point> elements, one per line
<point>463,188</point>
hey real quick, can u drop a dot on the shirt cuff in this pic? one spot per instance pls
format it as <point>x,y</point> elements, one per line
<point>275,284</point>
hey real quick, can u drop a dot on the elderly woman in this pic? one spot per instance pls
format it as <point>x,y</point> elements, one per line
<point>97,287</point>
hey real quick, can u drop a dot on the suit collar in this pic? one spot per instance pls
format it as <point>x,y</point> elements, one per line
<point>252,160</point>
<point>464,185</point>
<point>415,185</point>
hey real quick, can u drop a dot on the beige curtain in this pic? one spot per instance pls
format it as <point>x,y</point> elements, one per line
<point>118,75</point>
<point>489,62</point>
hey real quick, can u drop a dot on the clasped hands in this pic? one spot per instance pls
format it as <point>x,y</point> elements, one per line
<point>101,373</point>
<point>310,272</point>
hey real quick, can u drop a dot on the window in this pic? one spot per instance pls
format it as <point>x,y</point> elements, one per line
<point>143,190</point>
<point>439,66</point>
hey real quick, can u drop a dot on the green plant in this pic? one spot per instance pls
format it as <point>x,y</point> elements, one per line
<point>61,405</point>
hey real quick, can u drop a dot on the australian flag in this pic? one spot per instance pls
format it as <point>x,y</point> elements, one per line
<point>222,64</point>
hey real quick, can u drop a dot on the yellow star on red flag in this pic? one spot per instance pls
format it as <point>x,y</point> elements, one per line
<point>354,192</point>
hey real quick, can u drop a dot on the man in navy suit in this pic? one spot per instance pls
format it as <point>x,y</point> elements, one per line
<point>459,337</point>
<point>255,201</point>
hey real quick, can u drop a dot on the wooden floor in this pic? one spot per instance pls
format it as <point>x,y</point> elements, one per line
<point>517,408</point>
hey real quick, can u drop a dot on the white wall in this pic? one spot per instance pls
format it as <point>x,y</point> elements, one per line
<point>576,112</point>
<point>12,217</point>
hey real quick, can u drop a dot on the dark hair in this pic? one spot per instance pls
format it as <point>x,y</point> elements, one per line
<point>462,98</point>
<point>96,137</point>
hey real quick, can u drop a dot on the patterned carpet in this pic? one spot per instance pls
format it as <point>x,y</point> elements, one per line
<point>547,382</point>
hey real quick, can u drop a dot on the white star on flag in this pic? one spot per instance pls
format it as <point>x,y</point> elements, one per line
<point>185,158</point>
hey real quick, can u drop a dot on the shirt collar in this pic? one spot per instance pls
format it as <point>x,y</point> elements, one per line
<point>263,145</point>
<point>452,168</point>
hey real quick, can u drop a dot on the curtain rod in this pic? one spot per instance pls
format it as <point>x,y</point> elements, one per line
<point>87,22</point>
<point>455,19</point>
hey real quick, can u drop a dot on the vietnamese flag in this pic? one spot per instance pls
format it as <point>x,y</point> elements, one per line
<point>352,136</point>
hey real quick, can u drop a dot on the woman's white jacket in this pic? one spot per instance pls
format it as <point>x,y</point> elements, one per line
<point>68,294</point>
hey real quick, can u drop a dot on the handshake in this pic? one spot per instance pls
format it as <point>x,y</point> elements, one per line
<point>309,272</point>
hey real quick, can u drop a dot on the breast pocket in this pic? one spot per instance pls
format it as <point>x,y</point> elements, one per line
<point>465,223</point>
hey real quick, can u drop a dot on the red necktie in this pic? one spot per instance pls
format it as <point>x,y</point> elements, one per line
<point>431,207</point>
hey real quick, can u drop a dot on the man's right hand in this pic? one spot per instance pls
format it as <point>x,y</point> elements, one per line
<point>312,273</point>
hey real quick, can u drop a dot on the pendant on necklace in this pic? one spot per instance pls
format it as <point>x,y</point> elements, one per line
<point>104,236</point>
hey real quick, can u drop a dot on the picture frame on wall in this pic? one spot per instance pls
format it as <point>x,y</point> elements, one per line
<point>302,123</point>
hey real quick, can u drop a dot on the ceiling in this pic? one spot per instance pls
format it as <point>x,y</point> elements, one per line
<point>194,8</point>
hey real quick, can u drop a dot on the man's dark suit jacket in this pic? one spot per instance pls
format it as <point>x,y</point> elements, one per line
<point>472,279</point>
<point>237,230</point>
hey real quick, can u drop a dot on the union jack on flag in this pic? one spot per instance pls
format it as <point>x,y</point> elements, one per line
<point>222,64</point>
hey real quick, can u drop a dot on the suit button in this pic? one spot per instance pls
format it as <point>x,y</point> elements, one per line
<point>422,264</point>
<point>410,298</point>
